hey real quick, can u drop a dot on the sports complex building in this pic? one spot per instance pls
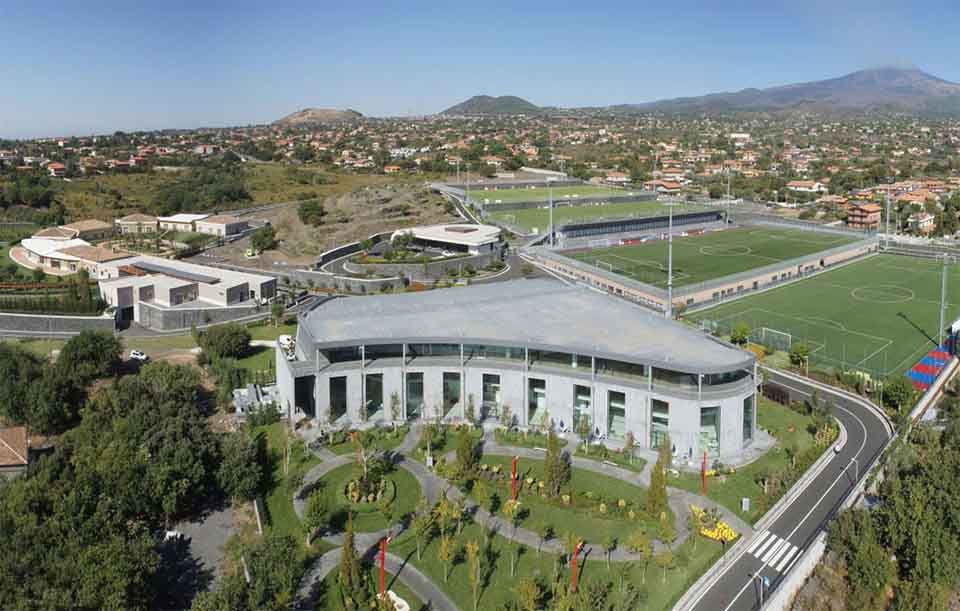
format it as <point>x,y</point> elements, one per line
<point>548,352</point>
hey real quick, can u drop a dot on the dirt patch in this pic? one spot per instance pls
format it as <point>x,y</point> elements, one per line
<point>349,217</point>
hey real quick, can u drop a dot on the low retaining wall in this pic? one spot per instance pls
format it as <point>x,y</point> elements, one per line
<point>346,284</point>
<point>45,324</point>
<point>348,249</point>
<point>432,270</point>
<point>173,319</point>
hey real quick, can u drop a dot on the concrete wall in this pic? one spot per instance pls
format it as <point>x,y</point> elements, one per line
<point>170,319</point>
<point>436,269</point>
<point>44,324</point>
<point>346,284</point>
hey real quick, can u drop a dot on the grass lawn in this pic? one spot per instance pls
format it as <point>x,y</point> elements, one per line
<point>584,518</point>
<point>40,347</point>
<point>602,453</point>
<point>445,441</point>
<point>524,439</point>
<point>539,218</point>
<point>260,359</point>
<point>711,255</point>
<point>368,517</point>
<point>876,315</point>
<point>330,598</point>
<point>269,332</point>
<point>538,194</point>
<point>499,587</point>
<point>789,427</point>
<point>160,342</point>
<point>380,438</point>
<point>281,517</point>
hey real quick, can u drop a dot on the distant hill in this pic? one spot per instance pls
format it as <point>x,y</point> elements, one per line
<point>489,105</point>
<point>310,116</point>
<point>895,88</point>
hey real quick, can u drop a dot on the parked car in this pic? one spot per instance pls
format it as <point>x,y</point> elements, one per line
<point>137,355</point>
<point>286,341</point>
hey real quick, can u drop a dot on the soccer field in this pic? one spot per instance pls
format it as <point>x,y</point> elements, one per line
<point>539,218</point>
<point>542,194</point>
<point>878,315</point>
<point>711,255</point>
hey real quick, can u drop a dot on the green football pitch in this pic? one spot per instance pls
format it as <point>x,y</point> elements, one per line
<point>711,255</point>
<point>542,194</point>
<point>878,315</point>
<point>539,218</point>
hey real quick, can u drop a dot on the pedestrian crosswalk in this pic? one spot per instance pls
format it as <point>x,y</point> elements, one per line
<point>773,551</point>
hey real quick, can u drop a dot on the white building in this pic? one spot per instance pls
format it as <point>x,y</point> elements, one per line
<point>181,222</point>
<point>465,238</point>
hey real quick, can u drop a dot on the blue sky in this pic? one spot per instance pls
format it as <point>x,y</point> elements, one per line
<point>80,68</point>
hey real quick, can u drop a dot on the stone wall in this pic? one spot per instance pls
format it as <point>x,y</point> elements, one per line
<point>427,271</point>
<point>173,319</point>
<point>346,284</point>
<point>44,324</point>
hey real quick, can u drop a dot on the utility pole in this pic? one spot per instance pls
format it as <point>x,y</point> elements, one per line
<point>943,300</point>
<point>888,218</point>
<point>550,191</point>
<point>670,263</point>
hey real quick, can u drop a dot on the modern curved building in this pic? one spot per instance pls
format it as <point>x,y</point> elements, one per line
<point>545,351</point>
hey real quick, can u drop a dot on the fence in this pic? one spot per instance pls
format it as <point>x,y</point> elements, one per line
<point>829,347</point>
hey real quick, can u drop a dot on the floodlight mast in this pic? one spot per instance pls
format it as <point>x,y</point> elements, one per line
<point>670,263</point>
<point>550,204</point>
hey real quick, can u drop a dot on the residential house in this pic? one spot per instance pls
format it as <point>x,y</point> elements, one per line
<point>180,222</point>
<point>922,223</point>
<point>866,216</point>
<point>14,450</point>
<point>90,229</point>
<point>221,225</point>
<point>57,170</point>
<point>137,223</point>
<point>806,186</point>
<point>617,178</point>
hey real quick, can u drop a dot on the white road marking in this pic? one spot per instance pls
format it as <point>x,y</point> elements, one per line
<point>759,540</point>
<point>773,550</point>
<point>783,563</point>
<point>776,557</point>
<point>763,547</point>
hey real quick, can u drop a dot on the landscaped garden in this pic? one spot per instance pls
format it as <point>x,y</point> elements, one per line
<point>330,596</point>
<point>523,439</point>
<point>383,498</point>
<point>591,504</point>
<point>439,439</point>
<point>285,477</point>
<point>803,432</point>
<point>378,438</point>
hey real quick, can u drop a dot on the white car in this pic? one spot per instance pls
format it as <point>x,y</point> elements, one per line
<point>137,355</point>
<point>286,341</point>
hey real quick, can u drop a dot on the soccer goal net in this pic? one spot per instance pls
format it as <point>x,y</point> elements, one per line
<point>605,265</point>
<point>778,340</point>
<point>598,243</point>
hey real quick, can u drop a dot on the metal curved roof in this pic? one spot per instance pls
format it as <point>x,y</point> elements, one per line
<point>539,314</point>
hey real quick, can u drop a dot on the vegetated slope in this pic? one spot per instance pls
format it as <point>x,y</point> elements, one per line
<point>898,88</point>
<point>309,116</point>
<point>489,105</point>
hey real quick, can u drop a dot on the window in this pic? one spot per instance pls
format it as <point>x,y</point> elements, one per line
<point>748,419</point>
<point>536,400</point>
<point>478,351</point>
<point>414,395</point>
<point>451,391</point>
<point>581,404</point>
<point>338,397</point>
<point>374,393</point>
<point>660,428</point>
<point>616,414</point>
<point>620,368</point>
<point>342,355</point>
<point>490,400</point>
<point>710,430</point>
<point>383,351</point>
<point>414,350</point>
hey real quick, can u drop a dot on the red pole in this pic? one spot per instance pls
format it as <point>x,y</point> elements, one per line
<point>513,477</point>
<point>576,550</point>
<point>383,560</point>
<point>704,473</point>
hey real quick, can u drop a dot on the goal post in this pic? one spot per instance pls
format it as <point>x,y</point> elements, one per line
<point>598,243</point>
<point>778,340</point>
<point>605,265</point>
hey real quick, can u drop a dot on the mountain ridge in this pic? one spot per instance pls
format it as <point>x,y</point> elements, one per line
<point>310,116</point>
<point>490,105</point>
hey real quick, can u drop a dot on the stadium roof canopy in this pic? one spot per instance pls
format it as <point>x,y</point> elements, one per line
<point>538,314</point>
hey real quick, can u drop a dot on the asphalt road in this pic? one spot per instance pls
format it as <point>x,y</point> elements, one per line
<point>772,552</point>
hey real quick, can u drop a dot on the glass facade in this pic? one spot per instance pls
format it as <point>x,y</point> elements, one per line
<point>620,368</point>
<point>710,430</point>
<point>414,395</point>
<point>451,391</point>
<point>383,351</point>
<point>373,390</point>
<point>714,379</point>
<point>616,414</point>
<point>660,422</point>
<point>582,402</point>
<point>536,400</point>
<point>343,355</point>
<point>338,397</point>
<point>490,400</point>
<point>414,350</point>
<point>748,420</point>
<point>478,351</point>
<point>674,378</point>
